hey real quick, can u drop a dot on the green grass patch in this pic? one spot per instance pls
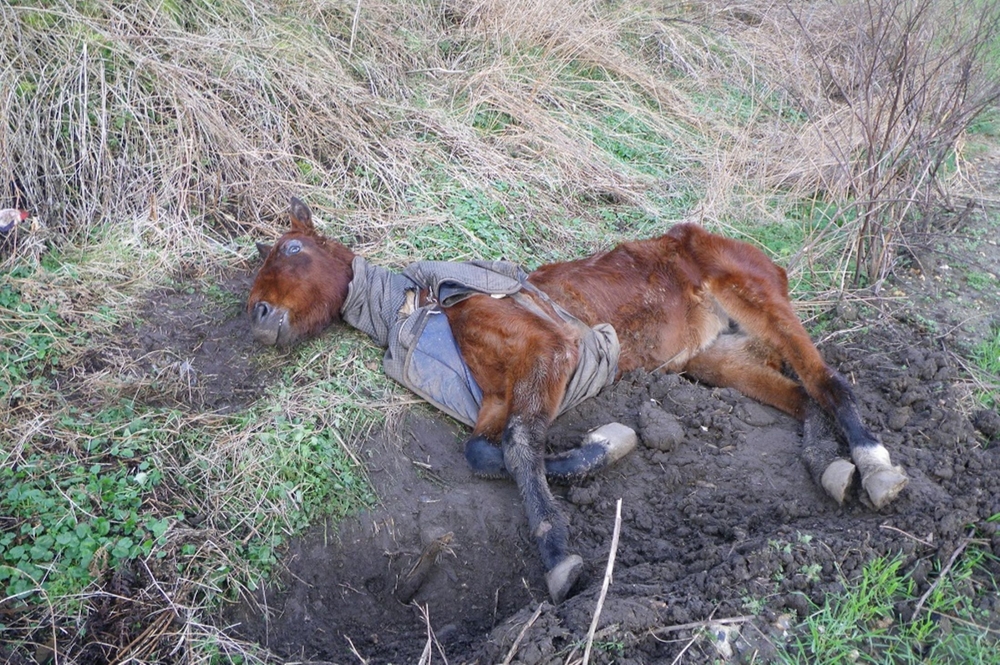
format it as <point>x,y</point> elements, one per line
<point>987,353</point>
<point>130,477</point>
<point>862,624</point>
<point>986,356</point>
<point>981,281</point>
<point>804,238</point>
<point>630,140</point>
<point>68,512</point>
<point>93,482</point>
<point>31,335</point>
<point>473,224</point>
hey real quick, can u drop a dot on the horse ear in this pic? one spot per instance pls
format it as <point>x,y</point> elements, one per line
<point>301,216</point>
<point>263,249</point>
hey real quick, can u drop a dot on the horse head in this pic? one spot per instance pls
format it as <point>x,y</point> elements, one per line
<point>301,286</point>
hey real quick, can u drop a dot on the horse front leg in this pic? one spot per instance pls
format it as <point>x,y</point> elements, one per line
<point>522,363</point>
<point>523,457</point>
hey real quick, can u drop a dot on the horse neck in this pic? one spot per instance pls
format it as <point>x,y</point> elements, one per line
<point>374,298</point>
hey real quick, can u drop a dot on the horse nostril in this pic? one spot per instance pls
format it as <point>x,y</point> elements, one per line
<point>261,311</point>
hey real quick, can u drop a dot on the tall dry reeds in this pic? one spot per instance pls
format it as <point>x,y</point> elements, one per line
<point>206,115</point>
<point>194,111</point>
<point>215,112</point>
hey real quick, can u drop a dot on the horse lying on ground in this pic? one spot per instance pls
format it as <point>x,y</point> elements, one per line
<point>689,301</point>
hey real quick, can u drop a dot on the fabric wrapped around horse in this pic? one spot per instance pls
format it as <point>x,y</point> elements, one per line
<point>421,352</point>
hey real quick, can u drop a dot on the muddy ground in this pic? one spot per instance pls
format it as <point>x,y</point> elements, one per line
<point>720,518</point>
<point>716,513</point>
<point>721,522</point>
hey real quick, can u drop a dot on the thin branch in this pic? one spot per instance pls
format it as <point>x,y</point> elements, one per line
<point>700,624</point>
<point>606,584</point>
<point>520,636</point>
<point>944,572</point>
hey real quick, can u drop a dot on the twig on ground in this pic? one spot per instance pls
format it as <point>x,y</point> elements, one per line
<point>520,636</point>
<point>700,624</point>
<point>966,622</point>
<point>944,571</point>
<point>426,656</point>
<point>684,650</point>
<point>355,651</point>
<point>908,535</point>
<point>606,583</point>
<point>146,642</point>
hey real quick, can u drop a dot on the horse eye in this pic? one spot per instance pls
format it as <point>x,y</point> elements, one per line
<point>291,247</point>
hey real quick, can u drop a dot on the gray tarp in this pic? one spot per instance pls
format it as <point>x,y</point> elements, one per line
<point>421,352</point>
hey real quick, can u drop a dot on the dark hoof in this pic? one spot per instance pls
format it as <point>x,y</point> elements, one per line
<point>561,579</point>
<point>485,459</point>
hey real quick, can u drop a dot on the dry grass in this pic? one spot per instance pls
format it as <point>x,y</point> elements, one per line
<point>154,141</point>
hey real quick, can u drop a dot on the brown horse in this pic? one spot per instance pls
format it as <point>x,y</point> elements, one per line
<point>688,301</point>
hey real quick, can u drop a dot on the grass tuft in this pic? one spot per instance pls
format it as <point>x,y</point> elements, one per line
<point>864,624</point>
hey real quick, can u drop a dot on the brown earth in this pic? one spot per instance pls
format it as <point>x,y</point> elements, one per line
<point>711,519</point>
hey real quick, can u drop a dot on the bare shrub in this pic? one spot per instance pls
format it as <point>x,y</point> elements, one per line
<point>900,81</point>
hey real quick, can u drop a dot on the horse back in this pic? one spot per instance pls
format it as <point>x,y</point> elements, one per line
<point>654,292</point>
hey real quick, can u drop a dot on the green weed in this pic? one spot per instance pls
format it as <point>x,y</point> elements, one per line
<point>987,123</point>
<point>30,336</point>
<point>486,224</point>
<point>631,141</point>
<point>981,281</point>
<point>986,356</point>
<point>862,625</point>
<point>65,512</point>
<point>987,353</point>
<point>610,647</point>
<point>492,121</point>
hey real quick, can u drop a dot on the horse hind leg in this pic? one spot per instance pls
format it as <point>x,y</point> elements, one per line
<point>881,480</point>
<point>754,292</point>
<point>601,447</point>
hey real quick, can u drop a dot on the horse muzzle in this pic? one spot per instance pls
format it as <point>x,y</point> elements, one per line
<point>270,324</point>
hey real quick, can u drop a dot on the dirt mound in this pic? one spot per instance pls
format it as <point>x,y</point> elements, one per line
<point>188,350</point>
<point>718,513</point>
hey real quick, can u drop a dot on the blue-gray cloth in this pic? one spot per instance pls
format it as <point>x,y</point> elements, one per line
<point>421,352</point>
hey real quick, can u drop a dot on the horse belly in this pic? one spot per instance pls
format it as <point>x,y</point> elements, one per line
<point>693,327</point>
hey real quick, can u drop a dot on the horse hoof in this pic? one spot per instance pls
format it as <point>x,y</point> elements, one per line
<point>837,479</point>
<point>884,486</point>
<point>562,578</point>
<point>617,439</point>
